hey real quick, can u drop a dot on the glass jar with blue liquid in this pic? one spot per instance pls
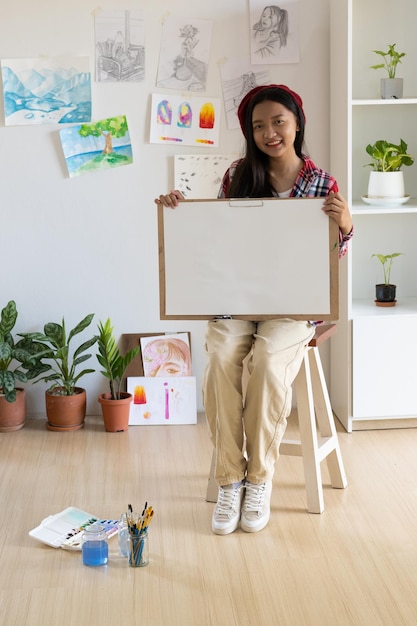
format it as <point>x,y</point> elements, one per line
<point>94,546</point>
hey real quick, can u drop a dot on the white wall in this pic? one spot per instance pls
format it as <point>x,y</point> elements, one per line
<point>69,247</point>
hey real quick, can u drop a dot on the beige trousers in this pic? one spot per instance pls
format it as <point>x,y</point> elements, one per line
<point>256,421</point>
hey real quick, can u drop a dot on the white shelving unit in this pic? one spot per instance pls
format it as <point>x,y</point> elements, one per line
<point>373,379</point>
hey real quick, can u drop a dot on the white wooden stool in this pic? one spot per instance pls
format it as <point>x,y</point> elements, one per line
<point>318,436</point>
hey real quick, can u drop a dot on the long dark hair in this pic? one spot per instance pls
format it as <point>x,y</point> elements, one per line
<point>251,179</point>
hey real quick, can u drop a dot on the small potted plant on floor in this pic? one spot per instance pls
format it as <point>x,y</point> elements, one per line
<point>65,401</point>
<point>115,405</point>
<point>386,180</point>
<point>20,361</point>
<point>391,87</point>
<point>386,292</point>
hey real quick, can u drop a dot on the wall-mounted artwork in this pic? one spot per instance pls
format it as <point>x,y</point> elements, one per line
<point>120,46</point>
<point>198,176</point>
<point>190,121</point>
<point>184,54</point>
<point>46,91</point>
<point>165,401</point>
<point>274,32</point>
<point>239,77</point>
<point>96,146</point>
<point>166,356</point>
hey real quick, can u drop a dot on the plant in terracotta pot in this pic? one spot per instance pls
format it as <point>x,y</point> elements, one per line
<point>391,87</point>
<point>386,180</point>
<point>20,361</point>
<point>115,404</point>
<point>65,401</point>
<point>386,291</point>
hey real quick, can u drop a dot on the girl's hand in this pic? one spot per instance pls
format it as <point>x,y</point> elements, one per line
<point>171,199</point>
<point>335,206</point>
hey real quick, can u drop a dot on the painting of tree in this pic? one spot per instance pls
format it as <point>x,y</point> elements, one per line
<point>97,145</point>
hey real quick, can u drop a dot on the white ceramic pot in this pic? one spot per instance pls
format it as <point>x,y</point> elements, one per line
<point>391,88</point>
<point>386,185</point>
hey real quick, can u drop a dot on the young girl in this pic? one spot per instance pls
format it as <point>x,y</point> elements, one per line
<point>272,120</point>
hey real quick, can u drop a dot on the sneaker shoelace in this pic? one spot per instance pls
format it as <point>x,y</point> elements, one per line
<point>226,503</point>
<point>254,498</point>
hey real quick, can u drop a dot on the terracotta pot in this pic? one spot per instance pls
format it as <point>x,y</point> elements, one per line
<point>13,414</point>
<point>66,412</point>
<point>115,412</point>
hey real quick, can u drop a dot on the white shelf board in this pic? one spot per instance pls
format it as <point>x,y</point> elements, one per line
<point>368,308</point>
<point>381,102</point>
<point>361,208</point>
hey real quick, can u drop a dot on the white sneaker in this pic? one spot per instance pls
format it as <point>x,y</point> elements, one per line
<point>256,507</point>
<point>226,514</point>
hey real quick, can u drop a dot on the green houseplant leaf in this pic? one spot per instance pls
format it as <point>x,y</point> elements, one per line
<point>387,261</point>
<point>391,58</point>
<point>388,157</point>
<point>19,361</point>
<point>56,346</point>
<point>111,360</point>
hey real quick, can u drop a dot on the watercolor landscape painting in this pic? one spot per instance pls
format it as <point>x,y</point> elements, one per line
<point>46,91</point>
<point>96,146</point>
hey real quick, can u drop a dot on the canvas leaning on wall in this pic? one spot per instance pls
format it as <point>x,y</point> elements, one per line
<point>166,394</point>
<point>159,400</point>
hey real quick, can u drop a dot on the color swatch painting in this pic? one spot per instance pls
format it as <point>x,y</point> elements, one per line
<point>166,401</point>
<point>46,90</point>
<point>97,146</point>
<point>188,121</point>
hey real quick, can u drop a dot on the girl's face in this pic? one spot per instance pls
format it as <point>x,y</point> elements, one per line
<point>267,18</point>
<point>274,129</point>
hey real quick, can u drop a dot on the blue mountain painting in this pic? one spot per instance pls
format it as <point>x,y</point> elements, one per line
<point>47,93</point>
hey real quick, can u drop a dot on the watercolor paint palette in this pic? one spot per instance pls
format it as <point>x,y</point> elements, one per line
<point>64,529</point>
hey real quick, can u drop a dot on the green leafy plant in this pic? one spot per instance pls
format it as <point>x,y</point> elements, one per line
<point>387,261</point>
<point>388,157</point>
<point>19,361</point>
<point>391,59</point>
<point>113,363</point>
<point>56,347</point>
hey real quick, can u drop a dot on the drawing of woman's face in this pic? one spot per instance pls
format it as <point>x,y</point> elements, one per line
<point>268,18</point>
<point>173,367</point>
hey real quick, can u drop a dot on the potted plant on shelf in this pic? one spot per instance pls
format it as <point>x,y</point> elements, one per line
<point>386,180</point>
<point>115,405</point>
<point>65,401</point>
<point>20,361</point>
<point>386,292</point>
<point>391,87</point>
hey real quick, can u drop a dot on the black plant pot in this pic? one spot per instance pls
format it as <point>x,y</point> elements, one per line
<point>385,295</point>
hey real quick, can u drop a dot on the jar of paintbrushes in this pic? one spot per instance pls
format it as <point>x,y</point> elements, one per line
<point>138,528</point>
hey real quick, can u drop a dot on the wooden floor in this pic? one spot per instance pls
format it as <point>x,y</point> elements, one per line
<point>356,564</point>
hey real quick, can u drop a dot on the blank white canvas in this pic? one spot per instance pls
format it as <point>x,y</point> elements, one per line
<point>247,257</point>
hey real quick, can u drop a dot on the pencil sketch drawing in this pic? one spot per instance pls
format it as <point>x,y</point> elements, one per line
<point>184,54</point>
<point>46,90</point>
<point>120,46</point>
<point>270,33</point>
<point>238,78</point>
<point>274,32</point>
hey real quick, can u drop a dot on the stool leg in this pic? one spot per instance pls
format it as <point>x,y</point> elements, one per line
<point>308,436</point>
<point>325,420</point>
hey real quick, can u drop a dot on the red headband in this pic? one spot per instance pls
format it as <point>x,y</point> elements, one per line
<point>243,106</point>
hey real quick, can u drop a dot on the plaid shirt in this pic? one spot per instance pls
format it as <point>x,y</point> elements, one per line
<point>311,182</point>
